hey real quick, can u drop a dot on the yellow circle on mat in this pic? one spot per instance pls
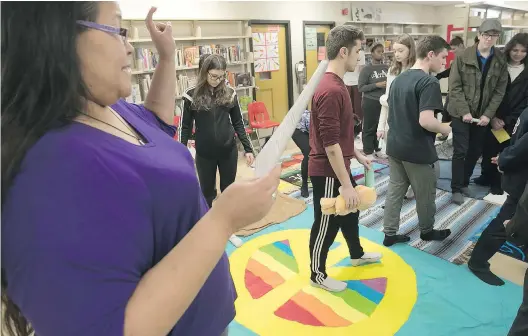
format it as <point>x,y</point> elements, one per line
<point>387,318</point>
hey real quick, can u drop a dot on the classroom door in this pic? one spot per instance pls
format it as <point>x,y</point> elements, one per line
<point>273,85</point>
<point>317,35</point>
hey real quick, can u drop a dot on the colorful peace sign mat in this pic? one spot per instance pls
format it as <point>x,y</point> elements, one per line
<point>408,292</point>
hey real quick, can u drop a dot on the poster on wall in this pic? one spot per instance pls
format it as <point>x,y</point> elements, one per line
<point>266,51</point>
<point>310,36</point>
<point>366,13</point>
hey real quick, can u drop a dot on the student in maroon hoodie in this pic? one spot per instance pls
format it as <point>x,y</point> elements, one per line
<point>332,148</point>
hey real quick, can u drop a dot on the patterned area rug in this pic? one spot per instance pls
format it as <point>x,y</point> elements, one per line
<point>291,179</point>
<point>466,223</point>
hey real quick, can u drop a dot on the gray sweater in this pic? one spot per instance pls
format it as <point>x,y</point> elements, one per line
<point>369,76</point>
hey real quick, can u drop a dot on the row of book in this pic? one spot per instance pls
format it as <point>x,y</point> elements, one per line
<point>140,89</point>
<point>190,56</point>
<point>147,58</point>
<point>184,82</point>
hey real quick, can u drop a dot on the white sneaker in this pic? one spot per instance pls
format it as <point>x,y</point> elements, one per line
<point>331,285</point>
<point>367,258</point>
<point>236,241</point>
<point>381,155</point>
<point>410,193</point>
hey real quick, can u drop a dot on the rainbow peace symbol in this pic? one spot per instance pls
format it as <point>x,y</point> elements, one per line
<point>272,277</point>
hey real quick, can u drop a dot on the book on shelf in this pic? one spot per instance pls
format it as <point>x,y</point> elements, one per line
<point>190,56</point>
<point>135,95</point>
<point>240,79</point>
<point>140,90</point>
<point>146,58</point>
<point>183,83</point>
<point>244,101</point>
<point>144,84</point>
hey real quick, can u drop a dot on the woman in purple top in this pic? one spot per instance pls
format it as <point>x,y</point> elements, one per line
<point>105,230</point>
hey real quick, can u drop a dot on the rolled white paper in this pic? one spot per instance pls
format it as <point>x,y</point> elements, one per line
<point>270,155</point>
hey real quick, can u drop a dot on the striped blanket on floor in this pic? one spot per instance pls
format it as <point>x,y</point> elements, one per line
<point>465,222</point>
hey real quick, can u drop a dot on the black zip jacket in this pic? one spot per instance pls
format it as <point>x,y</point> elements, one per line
<point>515,100</point>
<point>513,160</point>
<point>215,128</point>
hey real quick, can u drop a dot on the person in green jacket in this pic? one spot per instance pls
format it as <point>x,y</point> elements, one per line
<point>477,84</point>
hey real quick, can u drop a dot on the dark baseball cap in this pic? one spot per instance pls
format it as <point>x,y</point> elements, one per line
<point>490,25</point>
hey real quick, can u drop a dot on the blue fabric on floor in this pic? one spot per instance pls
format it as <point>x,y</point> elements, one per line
<point>451,300</point>
<point>444,182</point>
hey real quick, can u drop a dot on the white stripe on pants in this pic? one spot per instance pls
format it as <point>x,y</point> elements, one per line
<point>323,228</point>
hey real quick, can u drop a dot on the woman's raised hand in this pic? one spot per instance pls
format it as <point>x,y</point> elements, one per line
<point>161,34</point>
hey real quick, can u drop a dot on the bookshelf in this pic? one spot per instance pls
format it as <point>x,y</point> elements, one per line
<point>230,38</point>
<point>386,33</point>
<point>514,20</point>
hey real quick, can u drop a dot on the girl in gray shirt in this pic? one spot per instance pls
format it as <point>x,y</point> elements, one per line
<point>371,83</point>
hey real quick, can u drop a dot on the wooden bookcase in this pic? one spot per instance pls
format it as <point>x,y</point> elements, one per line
<point>386,32</point>
<point>228,37</point>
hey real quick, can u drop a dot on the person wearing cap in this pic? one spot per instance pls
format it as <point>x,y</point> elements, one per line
<point>477,84</point>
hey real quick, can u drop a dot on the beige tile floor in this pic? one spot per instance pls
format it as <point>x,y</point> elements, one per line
<point>505,267</point>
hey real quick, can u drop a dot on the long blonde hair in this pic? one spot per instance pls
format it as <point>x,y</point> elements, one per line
<point>397,67</point>
<point>223,94</point>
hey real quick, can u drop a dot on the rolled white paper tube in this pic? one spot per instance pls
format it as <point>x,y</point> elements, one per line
<point>270,155</point>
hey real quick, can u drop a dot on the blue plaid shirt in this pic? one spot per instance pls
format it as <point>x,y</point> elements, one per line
<point>304,123</point>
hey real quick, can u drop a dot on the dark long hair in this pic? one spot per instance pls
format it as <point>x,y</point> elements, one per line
<point>42,89</point>
<point>520,38</point>
<point>223,94</point>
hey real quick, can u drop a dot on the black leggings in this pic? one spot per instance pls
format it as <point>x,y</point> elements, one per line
<point>206,167</point>
<point>371,115</point>
<point>302,140</point>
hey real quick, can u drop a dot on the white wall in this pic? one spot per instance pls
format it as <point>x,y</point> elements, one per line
<point>294,11</point>
<point>401,12</point>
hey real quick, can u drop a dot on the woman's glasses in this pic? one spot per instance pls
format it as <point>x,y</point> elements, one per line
<point>216,77</point>
<point>123,32</point>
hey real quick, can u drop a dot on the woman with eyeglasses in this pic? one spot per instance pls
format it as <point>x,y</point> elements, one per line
<point>104,228</point>
<point>212,106</point>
